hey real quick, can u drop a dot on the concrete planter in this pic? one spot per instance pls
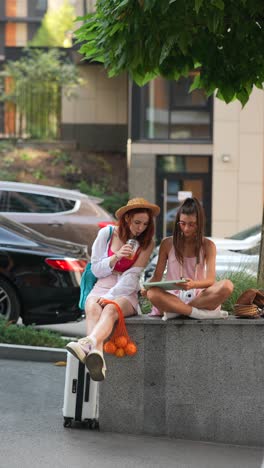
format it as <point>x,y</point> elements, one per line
<point>197,380</point>
<point>32,353</point>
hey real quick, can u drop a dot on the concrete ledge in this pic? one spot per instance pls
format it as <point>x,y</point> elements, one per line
<point>196,380</point>
<point>32,353</point>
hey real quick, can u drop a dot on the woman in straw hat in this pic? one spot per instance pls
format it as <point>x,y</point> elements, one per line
<point>118,271</point>
<point>190,255</point>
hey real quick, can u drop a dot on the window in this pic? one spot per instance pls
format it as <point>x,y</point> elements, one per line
<point>166,110</point>
<point>21,202</point>
<point>41,5</point>
<point>184,164</point>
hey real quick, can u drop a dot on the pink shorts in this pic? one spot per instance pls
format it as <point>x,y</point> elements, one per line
<point>103,285</point>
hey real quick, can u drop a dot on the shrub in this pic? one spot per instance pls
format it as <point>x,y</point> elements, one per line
<point>242,281</point>
<point>27,335</point>
<point>111,202</point>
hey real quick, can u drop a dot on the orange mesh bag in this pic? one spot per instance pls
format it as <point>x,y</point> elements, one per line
<point>120,343</point>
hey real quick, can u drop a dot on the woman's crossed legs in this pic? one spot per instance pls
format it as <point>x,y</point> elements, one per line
<point>204,305</point>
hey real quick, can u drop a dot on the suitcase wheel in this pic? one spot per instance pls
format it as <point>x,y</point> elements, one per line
<point>67,422</point>
<point>93,424</point>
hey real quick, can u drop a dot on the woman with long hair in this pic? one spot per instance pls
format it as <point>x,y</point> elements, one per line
<point>118,270</point>
<point>189,255</point>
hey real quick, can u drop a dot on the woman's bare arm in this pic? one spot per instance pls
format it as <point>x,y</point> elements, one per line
<point>164,249</point>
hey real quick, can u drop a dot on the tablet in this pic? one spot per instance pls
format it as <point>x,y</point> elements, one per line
<point>167,285</point>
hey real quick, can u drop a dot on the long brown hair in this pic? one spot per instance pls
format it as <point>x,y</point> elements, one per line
<point>190,206</point>
<point>145,237</point>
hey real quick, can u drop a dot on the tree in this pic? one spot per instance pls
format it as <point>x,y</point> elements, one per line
<point>35,85</point>
<point>56,25</point>
<point>222,39</point>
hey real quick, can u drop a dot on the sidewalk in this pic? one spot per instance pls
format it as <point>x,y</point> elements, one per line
<point>32,432</point>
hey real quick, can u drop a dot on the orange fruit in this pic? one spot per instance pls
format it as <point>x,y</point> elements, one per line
<point>130,349</point>
<point>119,352</point>
<point>110,347</point>
<point>121,341</point>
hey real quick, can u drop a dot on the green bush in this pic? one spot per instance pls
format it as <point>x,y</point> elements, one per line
<point>242,281</point>
<point>111,202</point>
<point>27,335</point>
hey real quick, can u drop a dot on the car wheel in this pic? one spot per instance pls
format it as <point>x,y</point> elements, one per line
<point>10,306</point>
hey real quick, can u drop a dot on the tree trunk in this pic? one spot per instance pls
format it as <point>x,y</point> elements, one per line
<point>261,255</point>
<point>59,112</point>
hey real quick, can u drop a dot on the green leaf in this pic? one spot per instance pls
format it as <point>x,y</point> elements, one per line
<point>166,49</point>
<point>121,5</point>
<point>178,36</point>
<point>248,87</point>
<point>196,83</point>
<point>243,96</point>
<point>197,5</point>
<point>219,95</point>
<point>220,4</point>
<point>116,27</point>
<point>228,93</point>
<point>183,42</point>
<point>209,90</point>
<point>149,4</point>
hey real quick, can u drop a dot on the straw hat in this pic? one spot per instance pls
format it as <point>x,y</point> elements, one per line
<point>135,203</point>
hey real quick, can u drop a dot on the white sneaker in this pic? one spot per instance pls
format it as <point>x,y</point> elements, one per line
<point>201,314</point>
<point>95,364</point>
<point>81,348</point>
<point>76,350</point>
<point>169,315</point>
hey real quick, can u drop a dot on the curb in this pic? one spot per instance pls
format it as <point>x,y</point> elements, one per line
<point>32,353</point>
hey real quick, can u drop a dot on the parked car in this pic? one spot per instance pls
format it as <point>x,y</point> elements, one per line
<point>242,241</point>
<point>226,261</point>
<point>55,212</point>
<point>39,276</point>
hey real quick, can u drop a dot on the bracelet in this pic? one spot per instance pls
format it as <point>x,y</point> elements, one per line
<point>117,257</point>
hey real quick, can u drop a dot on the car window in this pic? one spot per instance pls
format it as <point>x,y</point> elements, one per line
<point>2,200</point>
<point>21,202</point>
<point>11,238</point>
<point>255,250</point>
<point>246,232</point>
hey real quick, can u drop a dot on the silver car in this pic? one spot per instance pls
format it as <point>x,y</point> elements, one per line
<point>226,262</point>
<point>242,241</point>
<point>55,212</point>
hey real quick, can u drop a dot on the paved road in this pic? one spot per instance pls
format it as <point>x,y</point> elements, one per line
<point>32,432</point>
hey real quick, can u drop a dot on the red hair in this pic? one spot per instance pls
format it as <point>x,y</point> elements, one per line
<point>145,237</point>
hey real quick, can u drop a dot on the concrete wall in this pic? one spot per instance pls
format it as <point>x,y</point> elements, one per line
<point>189,380</point>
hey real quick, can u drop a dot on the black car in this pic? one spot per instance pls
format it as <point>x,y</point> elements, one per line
<point>39,275</point>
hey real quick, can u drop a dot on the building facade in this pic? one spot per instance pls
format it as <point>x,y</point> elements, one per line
<point>182,144</point>
<point>19,21</point>
<point>97,117</point>
<point>177,143</point>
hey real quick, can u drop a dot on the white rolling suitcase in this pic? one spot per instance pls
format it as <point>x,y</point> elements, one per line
<point>81,395</point>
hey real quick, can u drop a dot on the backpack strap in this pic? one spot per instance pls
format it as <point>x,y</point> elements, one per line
<point>111,229</point>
